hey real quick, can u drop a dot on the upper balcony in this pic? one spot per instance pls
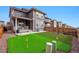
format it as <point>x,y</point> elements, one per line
<point>19,14</point>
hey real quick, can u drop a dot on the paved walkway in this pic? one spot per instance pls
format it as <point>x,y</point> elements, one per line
<point>3,42</point>
<point>75,45</point>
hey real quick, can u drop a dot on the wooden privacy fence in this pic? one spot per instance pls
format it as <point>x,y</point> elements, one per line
<point>68,31</point>
<point>1,31</point>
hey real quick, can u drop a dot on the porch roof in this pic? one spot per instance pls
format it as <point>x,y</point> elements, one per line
<point>25,18</point>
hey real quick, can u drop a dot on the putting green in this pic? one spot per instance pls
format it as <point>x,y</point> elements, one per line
<point>36,43</point>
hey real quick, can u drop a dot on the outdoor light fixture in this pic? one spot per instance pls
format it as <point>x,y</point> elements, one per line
<point>49,47</point>
<point>54,43</point>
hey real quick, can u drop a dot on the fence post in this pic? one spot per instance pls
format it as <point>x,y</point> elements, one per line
<point>78,34</point>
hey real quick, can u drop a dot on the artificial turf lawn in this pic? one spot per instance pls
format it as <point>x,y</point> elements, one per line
<point>37,42</point>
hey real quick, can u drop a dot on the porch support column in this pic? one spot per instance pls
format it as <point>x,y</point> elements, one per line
<point>12,21</point>
<point>33,25</point>
<point>15,24</point>
<point>33,21</point>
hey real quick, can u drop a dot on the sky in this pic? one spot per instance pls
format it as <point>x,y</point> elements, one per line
<point>66,14</point>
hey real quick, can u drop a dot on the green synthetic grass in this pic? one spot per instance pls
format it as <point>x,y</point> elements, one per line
<point>37,42</point>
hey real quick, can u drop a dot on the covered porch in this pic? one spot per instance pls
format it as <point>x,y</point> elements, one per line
<point>22,24</point>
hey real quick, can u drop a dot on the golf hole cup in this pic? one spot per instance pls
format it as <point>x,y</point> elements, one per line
<point>54,46</point>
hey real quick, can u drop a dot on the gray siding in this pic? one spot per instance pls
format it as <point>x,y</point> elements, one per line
<point>39,22</point>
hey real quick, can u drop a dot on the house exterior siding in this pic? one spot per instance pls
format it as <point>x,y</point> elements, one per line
<point>39,21</point>
<point>20,16</point>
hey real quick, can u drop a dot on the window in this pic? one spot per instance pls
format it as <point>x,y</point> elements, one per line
<point>37,15</point>
<point>42,16</point>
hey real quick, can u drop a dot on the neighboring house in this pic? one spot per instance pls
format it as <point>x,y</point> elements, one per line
<point>9,27</point>
<point>51,23</point>
<point>27,19</point>
<point>66,26</point>
<point>47,22</point>
<point>1,23</point>
<point>54,23</point>
<point>59,24</point>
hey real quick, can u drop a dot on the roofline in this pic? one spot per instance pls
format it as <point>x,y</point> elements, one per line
<point>26,11</point>
<point>37,10</point>
<point>18,9</point>
<point>1,21</point>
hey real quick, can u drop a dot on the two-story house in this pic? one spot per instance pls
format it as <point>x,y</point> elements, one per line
<point>26,20</point>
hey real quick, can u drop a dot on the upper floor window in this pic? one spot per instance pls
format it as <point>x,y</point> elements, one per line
<point>40,16</point>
